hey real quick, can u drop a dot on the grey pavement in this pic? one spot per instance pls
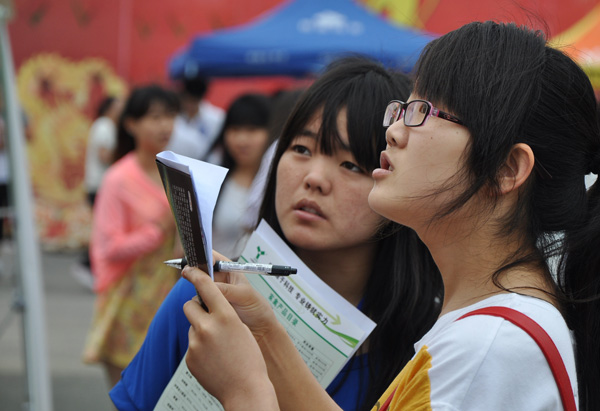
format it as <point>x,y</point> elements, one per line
<point>68,311</point>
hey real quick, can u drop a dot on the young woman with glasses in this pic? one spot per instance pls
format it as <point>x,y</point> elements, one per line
<point>491,219</point>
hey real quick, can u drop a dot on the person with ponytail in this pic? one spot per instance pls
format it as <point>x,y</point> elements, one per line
<point>486,161</point>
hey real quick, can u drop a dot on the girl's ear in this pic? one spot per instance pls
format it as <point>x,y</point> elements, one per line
<point>517,168</point>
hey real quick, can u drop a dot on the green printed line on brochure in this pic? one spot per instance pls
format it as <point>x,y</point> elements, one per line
<point>348,340</point>
<point>305,323</point>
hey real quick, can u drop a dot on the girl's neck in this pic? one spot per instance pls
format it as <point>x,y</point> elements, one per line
<point>147,162</point>
<point>244,175</point>
<point>468,262</point>
<point>346,271</point>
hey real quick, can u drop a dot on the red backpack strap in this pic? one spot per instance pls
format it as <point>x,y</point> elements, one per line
<point>541,337</point>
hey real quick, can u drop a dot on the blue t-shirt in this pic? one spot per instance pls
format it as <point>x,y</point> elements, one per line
<point>145,378</point>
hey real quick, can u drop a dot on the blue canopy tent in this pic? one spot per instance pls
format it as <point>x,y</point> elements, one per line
<point>298,38</point>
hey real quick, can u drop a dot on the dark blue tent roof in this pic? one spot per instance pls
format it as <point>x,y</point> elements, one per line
<point>297,38</point>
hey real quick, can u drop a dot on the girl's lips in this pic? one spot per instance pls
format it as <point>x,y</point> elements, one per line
<point>380,173</point>
<point>386,167</point>
<point>384,162</point>
<point>309,210</point>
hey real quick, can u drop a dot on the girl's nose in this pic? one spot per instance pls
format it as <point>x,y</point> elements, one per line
<point>318,176</point>
<point>389,138</point>
<point>395,135</point>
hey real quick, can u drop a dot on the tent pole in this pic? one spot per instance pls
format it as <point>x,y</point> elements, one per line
<point>28,252</point>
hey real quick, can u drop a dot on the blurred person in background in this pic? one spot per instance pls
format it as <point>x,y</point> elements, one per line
<point>198,123</point>
<point>4,177</point>
<point>4,180</point>
<point>99,155</point>
<point>283,104</point>
<point>133,232</point>
<point>101,144</point>
<point>241,144</point>
<point>6,208</point>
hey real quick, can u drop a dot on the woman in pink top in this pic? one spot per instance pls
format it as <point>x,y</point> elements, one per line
<point>133,233</point>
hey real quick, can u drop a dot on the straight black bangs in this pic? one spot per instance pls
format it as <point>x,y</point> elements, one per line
<point>249,110</point>
<point>481,66</point>
<point>364,96</point>
<point>487,74</point>
<point>141,99</point>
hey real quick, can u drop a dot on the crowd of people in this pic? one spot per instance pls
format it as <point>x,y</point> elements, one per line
<point>452,203</point>
<point>133,228</point>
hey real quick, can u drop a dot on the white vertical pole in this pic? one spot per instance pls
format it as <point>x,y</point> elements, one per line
<point>28,252</point>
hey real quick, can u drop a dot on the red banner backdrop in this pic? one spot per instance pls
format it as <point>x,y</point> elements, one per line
<point>136,37</point>
<point>573,26</point>
<point>71,53</point>
<point>582,42</point>
<point>441,16</point>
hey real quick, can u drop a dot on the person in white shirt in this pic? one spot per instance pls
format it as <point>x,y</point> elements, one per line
<point>283,103</point>
<point>199,122</point>
<point>242,142</point>
<point>99,156</point>
<point>101,143</point>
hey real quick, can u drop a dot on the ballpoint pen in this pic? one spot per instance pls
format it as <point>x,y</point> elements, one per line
<point>266,269</point>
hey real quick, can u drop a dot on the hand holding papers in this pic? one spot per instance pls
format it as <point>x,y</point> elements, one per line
<point>223,353</point>
<point>325,328</point>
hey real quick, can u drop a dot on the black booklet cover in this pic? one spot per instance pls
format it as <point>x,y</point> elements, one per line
<point>181,193</point>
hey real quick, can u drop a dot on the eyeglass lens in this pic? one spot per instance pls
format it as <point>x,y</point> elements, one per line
<point>392,112</point>
<point>414,112</point>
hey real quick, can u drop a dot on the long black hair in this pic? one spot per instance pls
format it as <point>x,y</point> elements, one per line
<point>137,105</point>
<point>402,291</point>
<point>508,86</point>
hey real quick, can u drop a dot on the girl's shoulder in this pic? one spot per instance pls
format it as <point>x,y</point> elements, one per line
<point>483,355</point>
<point>542,312</point>
<point>480,335</point>
<point>122,167</point>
